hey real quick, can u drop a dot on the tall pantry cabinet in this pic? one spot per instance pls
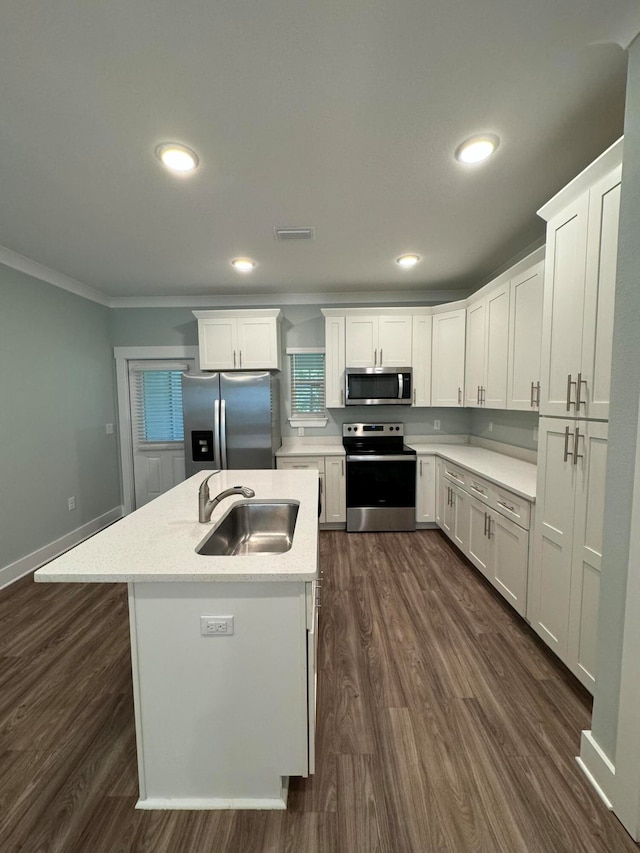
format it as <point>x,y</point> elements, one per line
<point>577,333</point>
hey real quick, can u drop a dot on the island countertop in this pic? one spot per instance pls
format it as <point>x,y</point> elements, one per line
<point>157,542</point>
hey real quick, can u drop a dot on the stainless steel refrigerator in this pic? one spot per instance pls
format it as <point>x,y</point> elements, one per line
<point>231,420</point>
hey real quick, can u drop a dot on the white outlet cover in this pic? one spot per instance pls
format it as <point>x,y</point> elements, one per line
<point>216,626</point>
<point>436,424</point>
<point>490,426</point>
<point>109,429</point>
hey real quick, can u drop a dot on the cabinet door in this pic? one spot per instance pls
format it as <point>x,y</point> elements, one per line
<point>474,374</point>
<point>447,359</point>
<point>591,465</point>
<point>394,340</point>
<point>448,520</point>
<point>426,489</point>
<point>334,362</point>
<point>602,254</point>
<point>335,490</point>
<point>563,306</point>
<point>551,582</point>
<point>478,551</point>
<point>421,360</point>
<point>525,333</point>
<point>494,394</point>
<point>258,343</point>
<point>461,501</point>
<point>218,344</point>
<point>362,341</point>
<point>509,561</point>
<point>441,493</point>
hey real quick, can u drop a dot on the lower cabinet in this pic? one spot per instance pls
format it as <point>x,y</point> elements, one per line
<point>333,489</point>
<point>565,583</point>
<point>426,489</point>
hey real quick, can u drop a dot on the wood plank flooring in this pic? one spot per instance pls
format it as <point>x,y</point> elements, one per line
<point>443,723</point>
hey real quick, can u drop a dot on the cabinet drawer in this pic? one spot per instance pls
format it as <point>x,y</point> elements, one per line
<point>453,473</point>
<point>511,506</point>
<point>479,488</point>
<point>302,463</point>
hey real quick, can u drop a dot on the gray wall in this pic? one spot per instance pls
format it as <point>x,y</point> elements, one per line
<point>57,392</point>
<point>623,422</point>
<point>514,428</point>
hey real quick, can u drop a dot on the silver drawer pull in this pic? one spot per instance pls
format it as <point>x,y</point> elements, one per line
<point>485,523</point>
<point>506,506</point>
<point>570,382</point>
<point>455,476</point>
<point>479,490</point>
<point>567,452</point>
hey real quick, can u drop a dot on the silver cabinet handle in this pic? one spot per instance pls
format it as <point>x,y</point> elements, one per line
<point>414,396</point>
<point>538,394</point>
<point>342,461</point>
<point>570,382</point>
<point>375,357</point>
<point>485,523</point>
<point>421,467</point>
<point>567,452</point>
<point>478,396</point>
<point>579,400</point>
<point>532,400</point>
<point>240,358</point>
<point>380,356</point>
<point>489,520</point>
<point>342,396</point>
<point>234,358</point>
<point>483,397</point>
<point>506,506</point>
<point>576,439</point>
<point>459,396</point>
<point>479,491</point>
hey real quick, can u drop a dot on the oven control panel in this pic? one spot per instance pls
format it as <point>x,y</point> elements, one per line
<point>373,430</point>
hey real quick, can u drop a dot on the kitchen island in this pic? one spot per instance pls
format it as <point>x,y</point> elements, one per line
<point>222,719</point>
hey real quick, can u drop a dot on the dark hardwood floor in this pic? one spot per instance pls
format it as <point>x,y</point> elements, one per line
<point>443,723</point>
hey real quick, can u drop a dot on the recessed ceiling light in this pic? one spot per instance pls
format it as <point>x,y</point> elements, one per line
<point>243,264</point>
<point>407,261</point>
<point>177,157</point>
<point>477,148</point>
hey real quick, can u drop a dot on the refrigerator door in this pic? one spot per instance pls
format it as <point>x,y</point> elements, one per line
<point>201,412</point>
<point>246,420</point>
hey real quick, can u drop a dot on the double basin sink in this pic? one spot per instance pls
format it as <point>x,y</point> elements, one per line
<point>252,528</point>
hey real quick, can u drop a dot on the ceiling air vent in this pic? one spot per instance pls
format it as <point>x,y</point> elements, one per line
<point>294,233</point>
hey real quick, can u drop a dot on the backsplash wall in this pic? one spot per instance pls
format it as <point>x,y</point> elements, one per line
<point>508,427</point>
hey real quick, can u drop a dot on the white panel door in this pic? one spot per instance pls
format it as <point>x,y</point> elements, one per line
<point>494,395</point>
<point>461,501</point>
<point>551,582</point>
<point>394,340</point>
<point>335,490</point>
<point>441,493</point>
<point>421,359</point>
<point>447,358</point>
<point>426,489</point>
<point>475,364</point>
<point>218,343</point>
<point>334,362</point>
<point>258,343</point>
<point>362,341</point>
<point>525,334</point>
<point>563,307</point>
<point>591,467</point>
<point>602,256</point>
<point>478,549</point>
<point>509,560</point>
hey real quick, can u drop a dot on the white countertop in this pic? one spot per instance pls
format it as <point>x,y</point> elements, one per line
<point>512,474</point>
<point>157,542</point>
<point>310,450</point>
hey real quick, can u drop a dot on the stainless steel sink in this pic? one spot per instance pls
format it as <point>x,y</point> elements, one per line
<point>251,528</point>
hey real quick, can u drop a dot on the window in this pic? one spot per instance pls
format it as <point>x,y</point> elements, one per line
<point>307,386</point>
<point>157,403</point>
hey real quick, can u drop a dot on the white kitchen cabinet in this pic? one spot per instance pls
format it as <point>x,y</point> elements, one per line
<point>448,358</point>
<point>478,549</point>
<point>334,362</point>
<point>525,333</point>
<point>421,359</point>
<point>486,349</point>
<point>239,340</point>
<point>579,290</point>
<point>308,463</point>
<point>568,540</point>
<point>378,340</point>
<point>441,493</point>
<point>426,488</point>
<point>336,490</point>
<point>455,516</point>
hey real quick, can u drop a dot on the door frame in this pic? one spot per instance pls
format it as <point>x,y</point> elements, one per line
<point>122,356</point>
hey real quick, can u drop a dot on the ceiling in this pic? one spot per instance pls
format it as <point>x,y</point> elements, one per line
<point>342,115</point>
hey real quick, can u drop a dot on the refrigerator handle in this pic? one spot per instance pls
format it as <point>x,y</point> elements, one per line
<point>216,433</point>
<point>223,434</point>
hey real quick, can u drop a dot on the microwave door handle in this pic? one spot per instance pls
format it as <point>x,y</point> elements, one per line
<point>400,385</point>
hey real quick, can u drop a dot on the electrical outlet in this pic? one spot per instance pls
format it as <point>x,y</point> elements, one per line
<point>109,429</point>
<point>71,503</point>
<point>436,424</point>
<point>490,426</point>
<point>216,626</point>
<point>300,431</point>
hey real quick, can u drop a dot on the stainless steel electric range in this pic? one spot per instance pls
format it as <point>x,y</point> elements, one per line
<point>381,478</point>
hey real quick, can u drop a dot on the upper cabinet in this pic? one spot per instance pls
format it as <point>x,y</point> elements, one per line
<point>421,359</point>
<point>334,362</point>
<point>579,291</point>
<point>378,340</point>
<point>525,332</point>
<point>447,358</point>
<point>239,340</point>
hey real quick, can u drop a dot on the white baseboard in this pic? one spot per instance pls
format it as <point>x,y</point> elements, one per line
<point>31,562</point>
<point>597,768</point>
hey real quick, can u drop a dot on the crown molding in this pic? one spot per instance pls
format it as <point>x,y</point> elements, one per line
<point>22,264</point>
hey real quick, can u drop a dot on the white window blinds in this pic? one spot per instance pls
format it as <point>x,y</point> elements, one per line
<point>157,399</point>
<point>307,383</point>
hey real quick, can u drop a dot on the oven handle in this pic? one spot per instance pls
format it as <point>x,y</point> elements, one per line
<point>388,457</point>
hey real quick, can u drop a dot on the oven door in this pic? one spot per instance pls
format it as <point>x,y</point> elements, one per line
<point>381,493</point>
<point>375,386</point>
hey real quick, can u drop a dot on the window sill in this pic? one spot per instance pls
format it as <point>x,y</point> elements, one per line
<point>308,422</point>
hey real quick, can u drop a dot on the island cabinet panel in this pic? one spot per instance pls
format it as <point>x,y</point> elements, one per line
<point>220,720</point>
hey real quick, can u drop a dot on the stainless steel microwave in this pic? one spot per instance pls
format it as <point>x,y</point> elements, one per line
<point>378,386</point>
